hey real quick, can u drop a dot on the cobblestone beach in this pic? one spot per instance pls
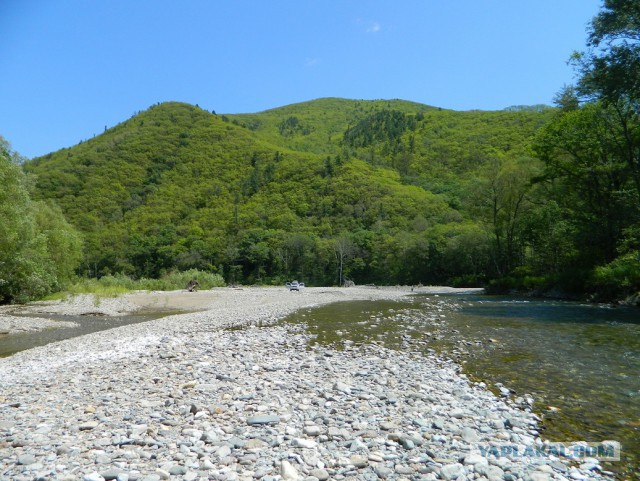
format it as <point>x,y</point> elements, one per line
<point>226,394</point>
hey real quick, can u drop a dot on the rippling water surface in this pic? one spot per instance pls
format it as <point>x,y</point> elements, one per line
<point>581,362</point>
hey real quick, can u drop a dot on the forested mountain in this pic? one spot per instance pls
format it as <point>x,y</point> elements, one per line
<point>390,190</point>
<point>437,149</point>
<point>374,191</point>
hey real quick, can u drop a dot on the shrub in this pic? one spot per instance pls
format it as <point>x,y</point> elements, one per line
<point>618,279</point>
<point>117,284</point>
<point>39,250</point>
<point>179,279</point>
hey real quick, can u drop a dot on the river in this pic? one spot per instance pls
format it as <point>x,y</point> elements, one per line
<point>579,362</point>
<point>10,344</point>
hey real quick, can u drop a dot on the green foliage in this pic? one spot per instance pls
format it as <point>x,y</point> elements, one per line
<point>591,151</point>
<point>590,193</point>
<point>179,279</point>
<point>176,188</point>
<point>39,250</point>
<point>609,74</point>
<point>292,126</point>
<point>618,279</point>
<point>108,286</point>
<point>610,69</point>
<point>63,242</point>
<point>375,191</point>
<point>382,126</point>
<point>117,284</point>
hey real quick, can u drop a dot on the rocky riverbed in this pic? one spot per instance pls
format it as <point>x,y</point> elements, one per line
<point>16,324</point>
<point>196,397</point>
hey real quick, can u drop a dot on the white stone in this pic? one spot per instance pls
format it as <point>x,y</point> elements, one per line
<point>287,471</point>
<point>224,451</point>
<point>304,443</point>
<point>469,435</point>
<point>449,472</point>
<point>473,459</point>
<point>312,430</point>
<point>93,477</point>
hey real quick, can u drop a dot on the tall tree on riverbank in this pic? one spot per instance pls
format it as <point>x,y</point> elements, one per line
<point>610,73</point>
<point>592,153</point>
<point>39,250</point>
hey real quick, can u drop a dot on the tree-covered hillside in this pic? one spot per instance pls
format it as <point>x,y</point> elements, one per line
<point>374,191</point>
<point>439,150</point>
<point>318,126</point>
<point>379,187</point>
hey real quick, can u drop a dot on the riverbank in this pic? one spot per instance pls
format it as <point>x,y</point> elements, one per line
<point>184,398</point>
<point>16,324</point>
<point>184,301</point>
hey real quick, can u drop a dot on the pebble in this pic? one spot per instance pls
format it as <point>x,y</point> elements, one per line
<point>383,472</point>
<point>452,471</point>
<point>183,398</point>
<point>303,443</point>
<point>263,420</point>
<point>312,430</point>
<point>359,461</point>
<point>320,474</point>
<point>177,470</point>
<point>287,471</point>
<point>224,451</point>
<point>473,459</point>
<point>401,469</point>
<point>89,425</point>
<point>342,387</point>
<point>457,413</point>
<point>538,476</point>
<point>111,474</point>
<point>93,477</point>
<point>26,459</point>
<point>256,444</point>
<point>469,435</point>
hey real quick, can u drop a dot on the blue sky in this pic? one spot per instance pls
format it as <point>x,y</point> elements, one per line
<point>69,68</point>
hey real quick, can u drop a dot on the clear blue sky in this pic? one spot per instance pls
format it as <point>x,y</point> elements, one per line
<point>68,68</point>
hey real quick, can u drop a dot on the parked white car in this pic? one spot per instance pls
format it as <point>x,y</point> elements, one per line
<point>295,285</point>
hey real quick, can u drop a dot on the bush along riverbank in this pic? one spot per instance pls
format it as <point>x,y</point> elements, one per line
<point>185,398</point>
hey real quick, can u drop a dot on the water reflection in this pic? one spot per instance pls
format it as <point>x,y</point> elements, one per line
<point>579,361</point>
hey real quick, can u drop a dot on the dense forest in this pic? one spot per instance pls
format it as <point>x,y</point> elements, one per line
<point>396,194</point>
<point>387,191</point>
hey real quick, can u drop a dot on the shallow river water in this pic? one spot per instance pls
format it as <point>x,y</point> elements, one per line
<point>580,362</point>
<point>10,344</point>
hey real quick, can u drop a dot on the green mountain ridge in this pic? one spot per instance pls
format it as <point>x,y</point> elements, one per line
<point>269,196</point>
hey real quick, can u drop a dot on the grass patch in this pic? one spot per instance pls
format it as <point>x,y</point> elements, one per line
<point>116,285</point>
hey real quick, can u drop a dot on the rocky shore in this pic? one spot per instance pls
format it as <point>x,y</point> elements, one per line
<point>226,394</point>
<point>15,324</point>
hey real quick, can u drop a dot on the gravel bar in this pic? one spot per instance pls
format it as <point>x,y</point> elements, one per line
<point>184,398</point>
